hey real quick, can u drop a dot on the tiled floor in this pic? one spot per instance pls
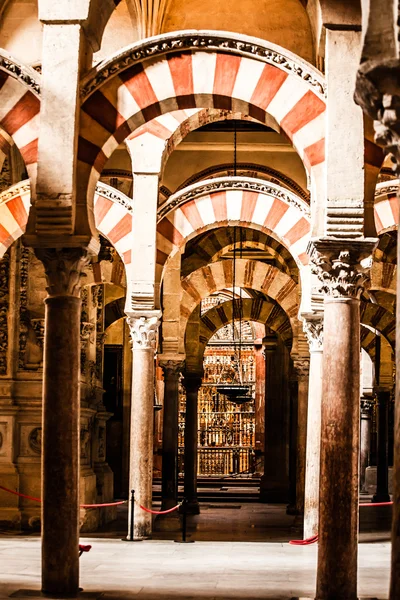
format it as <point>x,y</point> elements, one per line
<point>220,570</point>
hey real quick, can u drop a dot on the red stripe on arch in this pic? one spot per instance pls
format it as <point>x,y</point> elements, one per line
<point>30,152</point>
<point>21,113</point>
<point>192,214</point>
<point>226,70</point>
<point>268,85</point>
<point>139,86</point>
<point>275,214</point>
<point>219,205</point>
<point>5,237</point>
<point>167,230</point>
<point>249,203</point>
<point>127,256</point>
<point>101,208</point>
<point>299,230</point>
<point>314,154</point>
<point>18,211</point>
<point>308,108</point>
<point>378,222</point>
<point>181,68</point>
<point>121,229</point>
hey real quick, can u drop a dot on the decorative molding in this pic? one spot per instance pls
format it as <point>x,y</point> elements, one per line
<point>107,191</point>
<point>35,440</point>
<point>4,307</point>
<point>313,327</point>
<point>207,41</point>
<point>210,186</point>
<point>63,268</point>
<point>271,175</point>
<point>387,187</point>
<point>143,329</point>
<point>23,305</point>
<point>338,266</point>
<point>28,76</point>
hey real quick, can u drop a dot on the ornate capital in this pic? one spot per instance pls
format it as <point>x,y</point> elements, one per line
<point>341,266</point>
<point>366,405</point>
<point>301,368</point>
<point>313,327</point>
<point>172,367</point>
<point>143,328</point>
<point>192,381</point>
<point>63,268</point>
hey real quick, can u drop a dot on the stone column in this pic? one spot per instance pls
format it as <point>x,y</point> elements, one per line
<point>382,467</point>
<point>192,383</point>
<point>61,420</point>
<point>339,269</point>
<point>143,328</point>
<point>172,368</point>
<point>259,406</point>
<point>365,439</point>
<point>302,369</point>
<point>313,328</point>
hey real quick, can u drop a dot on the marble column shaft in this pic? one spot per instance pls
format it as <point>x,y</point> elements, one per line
<point>314,331</point>
<point>259,407</point>
<point>382,468</point>
<point>365,439</point>
<point>302,368</point>
<point>143,329</point>
<point>61,421</point>
<point>192,383</point>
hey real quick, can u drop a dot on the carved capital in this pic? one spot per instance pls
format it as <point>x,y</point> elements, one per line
<point>366,405</point>
<point>172,367</point>
<point>313,327</point>
<point>342,267</point>
<point>301,368</point>
<point>63,268</point>
<point>144,328</point>
<point>192,382</point>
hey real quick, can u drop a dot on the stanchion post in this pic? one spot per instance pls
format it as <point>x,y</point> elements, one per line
<point>132,516</point>
<point>184,522</point>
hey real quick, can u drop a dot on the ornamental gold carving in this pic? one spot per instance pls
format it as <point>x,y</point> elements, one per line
<point>143,330</point>
<point>4,307</point>
<point>63,268</point>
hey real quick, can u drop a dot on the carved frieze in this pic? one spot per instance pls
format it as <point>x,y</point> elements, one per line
<point>143,330</point>
<point>4,307</point>
<point>63,268</point>
<point>211,42</point>
<point>25,74</point>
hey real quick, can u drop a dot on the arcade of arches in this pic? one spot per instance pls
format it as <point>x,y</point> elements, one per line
<point>185,207</point>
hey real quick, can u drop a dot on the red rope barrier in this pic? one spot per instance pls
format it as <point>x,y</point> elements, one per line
<point>81,505</point>
<point>159,512</point>
<point>314,538</point>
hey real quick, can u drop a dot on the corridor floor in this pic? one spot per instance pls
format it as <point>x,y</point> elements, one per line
<point>160,569</point>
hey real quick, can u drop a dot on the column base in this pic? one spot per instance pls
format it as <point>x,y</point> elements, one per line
<point>193,507</point>
<point>169,522</point>
<point>381,498</point>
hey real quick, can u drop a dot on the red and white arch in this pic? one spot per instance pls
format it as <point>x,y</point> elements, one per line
<point>386,207</point>
<point>238,201</point>
<point>111,209</point>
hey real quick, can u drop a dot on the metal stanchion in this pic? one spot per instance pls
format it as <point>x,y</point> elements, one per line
<point>184,523</point>
<point>132,521</point>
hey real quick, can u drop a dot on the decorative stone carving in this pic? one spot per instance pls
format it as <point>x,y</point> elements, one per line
<point>5,176</point>
<point>314,330</point>
<point>232,183</point>
<point>35,440</point>
<point>172,367</point>
<point>23,306</point>
<point>101,449</point>
<point>143,329</point>
<point>25,74</point>
<point>338,267</point>
<point>87,330</point>
<point>38,327</point>
<point>63,268</point>
<point>4,307</point>
<point>116,196</point>
<point>366,405</point>
<point>209,41</point>
<point>85,444</point>
<point>301,368</point>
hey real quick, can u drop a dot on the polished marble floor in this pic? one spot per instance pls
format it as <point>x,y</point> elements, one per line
<point>159,569</point>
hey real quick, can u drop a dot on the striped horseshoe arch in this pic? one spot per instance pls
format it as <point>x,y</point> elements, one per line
<point>379,318</point>
<point>251,274</point>
<point>19,109</point>
<point>239,201</point>
<point>386,209</point>
<point>195,70</point>
<point>383,277</point>
<point>112,211</point>
<point>259,309</point>
<point>368,341</point>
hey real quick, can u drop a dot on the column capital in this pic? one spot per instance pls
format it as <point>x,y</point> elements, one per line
<point>342,266</point>
<point>171,365</point>
<point>63,268</point>
<point>301,368</point>
<point>366,405</point>
<point>313,327</point>
<point>143,327</point>
<point>192,381</point>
